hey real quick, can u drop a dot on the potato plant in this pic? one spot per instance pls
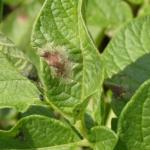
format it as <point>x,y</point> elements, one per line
<point>74,75</point>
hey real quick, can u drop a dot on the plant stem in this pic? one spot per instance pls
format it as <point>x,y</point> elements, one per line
<point>84,143</point>
<point>64,116</point>
<point>81,128</point>
<point>56,109</point>
<point>73,128</point>
<point>84,129</point>
<point>110,116</point>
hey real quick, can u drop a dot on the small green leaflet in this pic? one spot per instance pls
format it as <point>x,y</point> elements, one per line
<point>64,35</point>
<point>103,138</point>
<point>134,123</point>
<point>15,90</point>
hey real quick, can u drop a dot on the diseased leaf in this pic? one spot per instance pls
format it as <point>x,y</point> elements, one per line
<point>126,59</point>
<point>67,54</point>
<point>134,123</point>
<point>106,16</point>
<point>15,90</point>
<point>35,132</point>
<point>103,138</point>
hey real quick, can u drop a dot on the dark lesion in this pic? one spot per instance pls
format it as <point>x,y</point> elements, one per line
<point>117,90</point>
<point>57,61</point>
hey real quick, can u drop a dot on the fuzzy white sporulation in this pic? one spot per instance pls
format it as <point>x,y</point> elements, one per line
<point>58,59</point>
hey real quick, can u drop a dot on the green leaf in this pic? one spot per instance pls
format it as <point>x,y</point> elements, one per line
<point>61,147</point>
<point>106,16</point>
<point>103,138</point>
<point>20,2</point>
<point>16,90</point>
<point>144,10</point>
<point>136,1</point>
<point>15,56</point>
<point>37,132</point>
<point>131,43</point>
<point>12,3</point>
<point>18,25</point>
<point>134,122</point>
<point>64,36</point>
<point>42,110</point>
<point>127,53</point>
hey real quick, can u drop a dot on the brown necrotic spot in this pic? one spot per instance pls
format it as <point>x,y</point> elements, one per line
<point>57,61</point>
<point>118,91</point>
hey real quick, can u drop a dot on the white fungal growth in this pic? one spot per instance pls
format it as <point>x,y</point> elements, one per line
<point>58,59</point>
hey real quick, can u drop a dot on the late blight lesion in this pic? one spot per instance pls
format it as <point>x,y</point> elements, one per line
<point>58,60</point>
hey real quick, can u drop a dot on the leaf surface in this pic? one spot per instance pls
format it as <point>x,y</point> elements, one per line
<point>15,56</point>
<point>37,132</point>
<point>106,16</point>
<point>131,43</point>
<point>134,123</point>
<point>15,90</point>
<point>144,10</point>
<point>127,53</point>
<point>17,26</point>
<point>103,138</point>
<point>57,32</point>
<point>12,3</point>
<point>136,1</point>
<point>42,110</point>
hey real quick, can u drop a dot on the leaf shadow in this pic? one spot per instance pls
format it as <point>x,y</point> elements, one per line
<point>129,80</point>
